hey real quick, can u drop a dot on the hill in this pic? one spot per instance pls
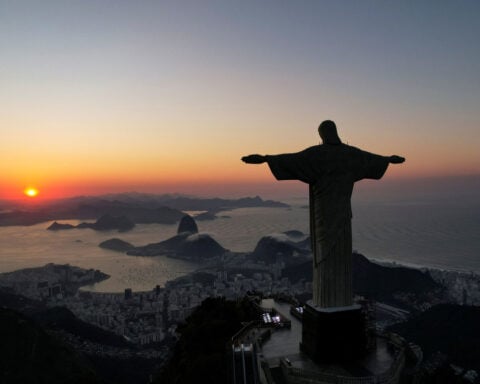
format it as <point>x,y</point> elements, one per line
<point>399,286</point>
<point>200,353</point>
<point>447,328</point>
<point>30,355</point>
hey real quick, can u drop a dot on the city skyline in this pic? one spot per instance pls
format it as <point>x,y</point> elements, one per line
<point>165,97</point>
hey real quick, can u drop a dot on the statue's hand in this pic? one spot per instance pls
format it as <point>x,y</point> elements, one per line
<point>396,159</point>
<point>254,159</point>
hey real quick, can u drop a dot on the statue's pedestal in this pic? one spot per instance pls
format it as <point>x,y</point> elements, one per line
<point>336,334</point>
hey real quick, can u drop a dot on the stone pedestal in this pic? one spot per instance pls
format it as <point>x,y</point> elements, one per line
<point>335,334</point>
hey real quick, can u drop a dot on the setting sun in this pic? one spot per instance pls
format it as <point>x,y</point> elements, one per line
<point>31,192</point>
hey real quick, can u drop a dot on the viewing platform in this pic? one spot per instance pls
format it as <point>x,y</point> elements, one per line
<point>279,358</point>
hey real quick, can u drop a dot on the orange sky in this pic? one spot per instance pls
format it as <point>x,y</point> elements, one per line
<point>198,159</point>
<point>165,98</point>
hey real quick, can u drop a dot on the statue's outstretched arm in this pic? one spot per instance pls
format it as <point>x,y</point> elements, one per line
<point>394,159</point>
<point>254,159</point>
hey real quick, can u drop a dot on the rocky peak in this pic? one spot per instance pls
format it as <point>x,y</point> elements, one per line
<point>187,224</point>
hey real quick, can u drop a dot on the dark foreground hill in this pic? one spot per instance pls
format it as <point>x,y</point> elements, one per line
<point>25,305</point>
<point>30,355</point>
<point>40,345</point>
<point>200,354</point>
<point>61,318</point>
<point>450,329</point>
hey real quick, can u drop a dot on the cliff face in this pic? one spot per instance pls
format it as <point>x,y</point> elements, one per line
<point>187,224</point>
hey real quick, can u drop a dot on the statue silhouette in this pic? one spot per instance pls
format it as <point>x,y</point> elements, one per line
<point>330,170</point>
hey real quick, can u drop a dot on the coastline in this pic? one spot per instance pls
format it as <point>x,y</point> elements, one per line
<point>375,234</point>
<point>454,280</point>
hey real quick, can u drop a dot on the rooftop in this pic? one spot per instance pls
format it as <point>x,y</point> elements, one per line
<point>283,345</point>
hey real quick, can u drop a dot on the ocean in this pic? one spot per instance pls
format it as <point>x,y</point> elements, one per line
<point>435,234</point>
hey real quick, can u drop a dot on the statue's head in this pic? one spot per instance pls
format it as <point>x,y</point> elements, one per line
<point>328,132</point>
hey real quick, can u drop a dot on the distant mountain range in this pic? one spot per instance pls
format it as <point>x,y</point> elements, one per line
<point>138,207</point>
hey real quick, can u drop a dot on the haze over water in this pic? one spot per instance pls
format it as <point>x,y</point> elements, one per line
<point>434,234</point>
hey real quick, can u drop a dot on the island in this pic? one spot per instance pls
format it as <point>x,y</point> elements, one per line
<point>188,244</point>
<point>104,223</point>
<point>116,245</point>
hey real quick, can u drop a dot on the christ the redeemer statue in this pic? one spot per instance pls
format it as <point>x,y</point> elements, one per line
<point>330,170</point>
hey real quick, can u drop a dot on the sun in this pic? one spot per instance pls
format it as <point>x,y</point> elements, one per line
<point>31,192</point>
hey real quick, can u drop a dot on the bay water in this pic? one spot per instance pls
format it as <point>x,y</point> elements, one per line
<point>434,234</point>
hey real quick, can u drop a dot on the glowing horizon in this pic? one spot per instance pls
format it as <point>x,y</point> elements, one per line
<point>267,189</point>
<point>167,97</point>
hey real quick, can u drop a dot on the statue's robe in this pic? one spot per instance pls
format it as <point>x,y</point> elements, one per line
<point>330,170</point>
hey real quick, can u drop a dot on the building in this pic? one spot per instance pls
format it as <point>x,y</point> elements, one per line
<point>279,358</point>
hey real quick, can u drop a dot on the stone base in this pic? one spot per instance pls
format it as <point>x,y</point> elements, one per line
<point>333,334</point>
